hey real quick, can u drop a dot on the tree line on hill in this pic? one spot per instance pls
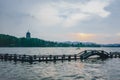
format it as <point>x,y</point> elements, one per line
<point>12,41</point>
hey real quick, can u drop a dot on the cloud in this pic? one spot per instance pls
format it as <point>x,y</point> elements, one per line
<point>68,14</point>
<point>96,7</point>
<point>92,37</point>
<point>46,15</point>
<point>118,34</point>
<point>48,19</point>
<point>83,36</point>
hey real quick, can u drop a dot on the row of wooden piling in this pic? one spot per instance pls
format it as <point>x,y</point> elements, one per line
<point>114,55</point>
<point>40,58</point>
<point>46,58</point>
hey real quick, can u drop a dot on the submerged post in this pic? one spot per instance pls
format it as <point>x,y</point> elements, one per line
<point>30,59</point>
<point>75,57</point>
<point>50,57</point>
<point>10,57</point>
<point>5,57</point>
<point>54,58</point>
<point>82,55</point>
<point>69,58</point>
<point>39,59</point>
<point>15,58</point>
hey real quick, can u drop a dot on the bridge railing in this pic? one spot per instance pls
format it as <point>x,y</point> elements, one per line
<point>87,53</point>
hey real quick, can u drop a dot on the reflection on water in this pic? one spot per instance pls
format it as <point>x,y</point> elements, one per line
<point>91,69</point>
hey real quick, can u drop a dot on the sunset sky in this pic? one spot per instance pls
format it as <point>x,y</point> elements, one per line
<point>62,20</point>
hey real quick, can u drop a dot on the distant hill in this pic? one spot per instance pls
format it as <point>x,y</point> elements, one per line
<point>111,45</point>
<point>12,41</point>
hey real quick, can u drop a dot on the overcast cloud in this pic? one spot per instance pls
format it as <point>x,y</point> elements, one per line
<point>62,20</point>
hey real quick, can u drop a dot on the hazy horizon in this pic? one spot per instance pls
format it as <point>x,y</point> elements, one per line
<point>62,20</point>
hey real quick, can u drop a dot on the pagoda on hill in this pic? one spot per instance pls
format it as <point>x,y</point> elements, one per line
<point>28,35</point>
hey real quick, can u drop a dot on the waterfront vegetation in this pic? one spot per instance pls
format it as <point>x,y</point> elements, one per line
<point>12,41</point>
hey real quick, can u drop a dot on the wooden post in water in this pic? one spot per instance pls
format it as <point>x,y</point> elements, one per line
<point>46,59</point>
<point>50,57</point>
<point>85,51</point>
<point>23,58</point>
<point>103,56</point>
<point>20,57</point>
<point>63,57</point>
<point>110,55</point>
<point>15,58</point>
<point>35,56</point>
<point>81,57</point>
<point>10,57</point>
<point>30,59</point>
<point>119,55</point>
<point>54,58</point>
<point>69,58</point>
<point>75,57</point>
<point>2,57</point>
<point>115,56</point>
<point>39,58</point>
<point>6,57</point>
<point>42,58</point>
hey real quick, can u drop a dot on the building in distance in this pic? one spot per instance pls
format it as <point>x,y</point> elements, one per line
<point>28,35</point>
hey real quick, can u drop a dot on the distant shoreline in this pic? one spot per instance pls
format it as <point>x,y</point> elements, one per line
<point>59,47</point>
<point>12,41</point>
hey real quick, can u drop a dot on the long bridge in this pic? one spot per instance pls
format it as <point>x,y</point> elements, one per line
<point>40,58</point>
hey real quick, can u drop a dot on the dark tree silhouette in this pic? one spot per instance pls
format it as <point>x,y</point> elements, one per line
<point>11,41</point>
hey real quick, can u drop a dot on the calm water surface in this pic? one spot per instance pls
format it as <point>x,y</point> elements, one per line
<point>92,69</point>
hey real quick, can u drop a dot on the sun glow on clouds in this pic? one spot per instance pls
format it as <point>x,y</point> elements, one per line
<point>98,38</point>
<point>118,34</point>
<point>69,14</point>
<point>83,36</point>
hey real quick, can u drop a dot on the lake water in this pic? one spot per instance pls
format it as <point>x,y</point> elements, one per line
<point>91,69</point>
